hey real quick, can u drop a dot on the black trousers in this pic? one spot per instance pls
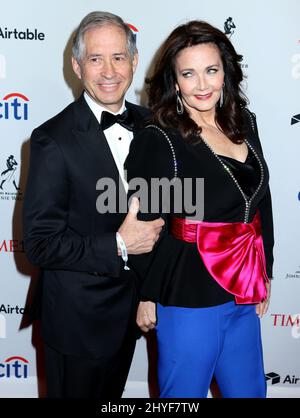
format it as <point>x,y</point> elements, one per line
<point>81,377</point>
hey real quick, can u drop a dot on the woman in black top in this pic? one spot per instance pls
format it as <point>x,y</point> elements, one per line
<point>206,284</point>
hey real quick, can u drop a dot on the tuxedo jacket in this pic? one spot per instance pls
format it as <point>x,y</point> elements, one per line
<point>174,273</point>
<point>87,298</point>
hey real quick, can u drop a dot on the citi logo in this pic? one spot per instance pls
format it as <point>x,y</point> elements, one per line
<point>275,378</point>
<point>14,367</point>
<point>14,106</point>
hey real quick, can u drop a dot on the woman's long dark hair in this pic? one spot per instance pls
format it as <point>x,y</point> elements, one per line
<point>161,86</point>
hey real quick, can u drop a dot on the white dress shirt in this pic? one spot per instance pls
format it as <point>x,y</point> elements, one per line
<point>117,136</point>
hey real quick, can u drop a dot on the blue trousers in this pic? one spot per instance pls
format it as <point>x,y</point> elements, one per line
<point>195,344</point>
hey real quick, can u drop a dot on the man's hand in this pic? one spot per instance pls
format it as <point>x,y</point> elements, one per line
<point>139,236</point>
<point>146,316</point>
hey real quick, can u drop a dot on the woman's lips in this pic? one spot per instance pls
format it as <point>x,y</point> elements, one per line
<point>203,96</point>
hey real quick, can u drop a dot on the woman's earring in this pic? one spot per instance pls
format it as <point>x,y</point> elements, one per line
<point>179,104</point>
<point>221,102</point>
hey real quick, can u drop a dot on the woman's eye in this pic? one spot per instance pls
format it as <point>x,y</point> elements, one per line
<point>186,74</point>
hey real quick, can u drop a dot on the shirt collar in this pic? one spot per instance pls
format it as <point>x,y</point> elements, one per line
<point>98,109</point>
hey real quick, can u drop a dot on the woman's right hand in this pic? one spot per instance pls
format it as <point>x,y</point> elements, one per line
<point>146,316</point>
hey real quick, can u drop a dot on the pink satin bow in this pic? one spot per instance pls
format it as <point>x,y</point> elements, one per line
<point>233,254</point>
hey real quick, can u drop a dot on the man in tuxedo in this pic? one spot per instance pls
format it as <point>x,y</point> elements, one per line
<point>89,295</point>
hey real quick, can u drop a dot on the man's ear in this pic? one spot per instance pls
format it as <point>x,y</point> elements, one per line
<point>135,61</point>
<point>76,68</point>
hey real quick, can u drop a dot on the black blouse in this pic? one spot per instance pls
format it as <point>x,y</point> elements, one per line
<point>174,273</point>
<point>246,173</point>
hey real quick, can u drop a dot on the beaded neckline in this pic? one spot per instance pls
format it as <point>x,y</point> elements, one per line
<point>171,147</point>
<point>248,200</point>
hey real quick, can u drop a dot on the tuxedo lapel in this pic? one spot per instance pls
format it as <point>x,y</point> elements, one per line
<point>91,138</point>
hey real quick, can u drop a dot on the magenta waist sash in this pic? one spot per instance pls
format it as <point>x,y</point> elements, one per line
<point>233,254</point>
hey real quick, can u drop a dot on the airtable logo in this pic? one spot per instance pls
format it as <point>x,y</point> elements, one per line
<point>26,34</point>
<point>14,367</point>
<point>14,106</point>
<point>275,378</point>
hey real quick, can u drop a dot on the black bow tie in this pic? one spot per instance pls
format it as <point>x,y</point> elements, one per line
<point>125,120</point>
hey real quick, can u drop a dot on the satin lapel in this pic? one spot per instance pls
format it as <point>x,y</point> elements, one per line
<point>92,140</point>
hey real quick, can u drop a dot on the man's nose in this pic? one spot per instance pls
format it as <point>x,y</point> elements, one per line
<point>108,70</point>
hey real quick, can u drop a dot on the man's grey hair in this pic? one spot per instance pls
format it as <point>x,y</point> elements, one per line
<point>95,20</point>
